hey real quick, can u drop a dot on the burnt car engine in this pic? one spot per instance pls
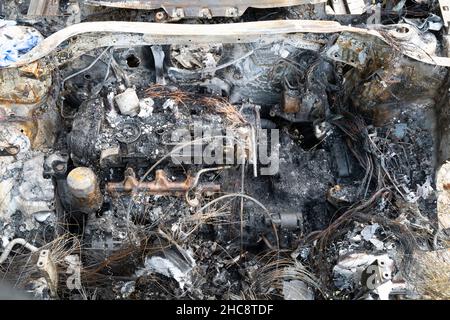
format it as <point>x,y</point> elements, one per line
<point>209,150</point>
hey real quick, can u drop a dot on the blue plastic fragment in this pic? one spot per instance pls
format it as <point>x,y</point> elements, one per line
<point>12,49</point>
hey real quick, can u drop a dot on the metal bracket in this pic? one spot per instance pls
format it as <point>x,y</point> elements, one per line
<point>48,268</point>
<point>445,12</point>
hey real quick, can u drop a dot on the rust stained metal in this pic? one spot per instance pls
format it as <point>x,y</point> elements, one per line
<point>27,102</point>
<point>350,50</point>
<point>290,101</point>
<point>84,189</point>
<point>28,95</point>
<point>34,69</point>
<point>160,186</point>
<point>201,8</point>
<point>27,85</point>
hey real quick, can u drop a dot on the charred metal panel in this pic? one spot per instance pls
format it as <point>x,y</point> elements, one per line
<point>205,8</point>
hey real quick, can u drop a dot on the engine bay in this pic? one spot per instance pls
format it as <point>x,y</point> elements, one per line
<point>266,150</point>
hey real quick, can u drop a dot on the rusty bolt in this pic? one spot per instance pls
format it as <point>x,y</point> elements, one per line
<point>160,16</point>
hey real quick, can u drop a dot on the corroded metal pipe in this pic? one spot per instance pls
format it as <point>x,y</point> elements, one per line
<point>84,190</point>
<point>160,186</point>
<point>18,241</point>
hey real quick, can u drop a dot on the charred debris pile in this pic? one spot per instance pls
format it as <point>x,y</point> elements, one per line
<point>246,154</point>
